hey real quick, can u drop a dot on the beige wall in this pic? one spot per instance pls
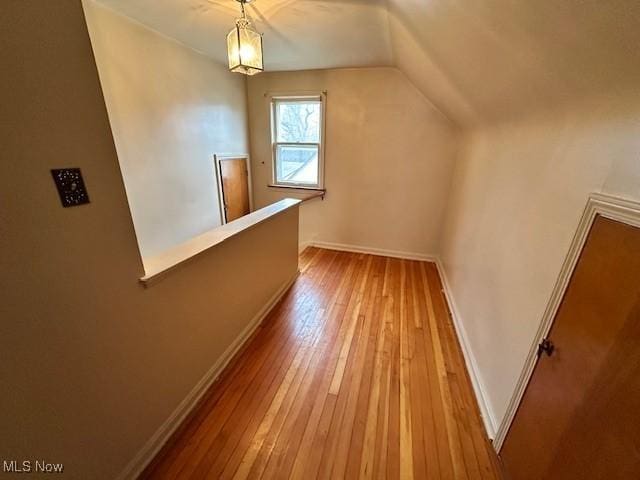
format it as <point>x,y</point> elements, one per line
<point>171,109</point>
<point>519,191</point>
<point>388,162</point>
<point>92,362</point>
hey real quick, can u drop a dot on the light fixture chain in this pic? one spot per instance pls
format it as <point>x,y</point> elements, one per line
<point>244,15</point>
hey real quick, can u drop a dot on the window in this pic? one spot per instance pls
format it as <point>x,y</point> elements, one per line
<point>296,132</point>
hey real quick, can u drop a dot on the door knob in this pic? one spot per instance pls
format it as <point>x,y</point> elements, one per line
<point>546,346</point>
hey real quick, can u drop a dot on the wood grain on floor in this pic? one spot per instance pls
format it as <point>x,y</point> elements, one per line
<point>356,373</point>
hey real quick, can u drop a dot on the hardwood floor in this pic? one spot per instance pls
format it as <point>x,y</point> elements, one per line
<point>356,373</point>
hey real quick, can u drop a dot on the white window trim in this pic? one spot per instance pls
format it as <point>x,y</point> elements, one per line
<point>298,96</point>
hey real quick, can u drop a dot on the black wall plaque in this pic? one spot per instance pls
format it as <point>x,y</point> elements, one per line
<point>70,186</point>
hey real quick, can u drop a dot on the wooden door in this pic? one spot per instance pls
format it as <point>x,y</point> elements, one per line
<point>580,414</point>
<point>235,187</point>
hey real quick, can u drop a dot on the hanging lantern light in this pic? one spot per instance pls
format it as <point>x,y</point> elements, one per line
<point>244,46</point>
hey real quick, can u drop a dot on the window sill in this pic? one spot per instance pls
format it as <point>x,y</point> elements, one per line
<point>297,187</point>
<point>160,264</point>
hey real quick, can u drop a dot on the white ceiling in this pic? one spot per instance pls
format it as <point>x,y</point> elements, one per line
<point>298,35</point>
<point>488,60</point>
<point>476,60</point>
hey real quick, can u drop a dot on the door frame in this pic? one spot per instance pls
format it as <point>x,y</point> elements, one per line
<point>615,208</point>
<point>217,159</point>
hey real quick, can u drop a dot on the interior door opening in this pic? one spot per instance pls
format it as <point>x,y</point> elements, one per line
<point>578,418</point>
<point>234,187</point>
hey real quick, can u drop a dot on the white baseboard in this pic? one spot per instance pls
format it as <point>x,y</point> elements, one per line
<point>137,465</point>
<point>370,250</point>
<point>302,246</point>
<point>488,417</point>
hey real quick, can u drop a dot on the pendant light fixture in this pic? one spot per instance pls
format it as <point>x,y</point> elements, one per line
<point>244,46</point>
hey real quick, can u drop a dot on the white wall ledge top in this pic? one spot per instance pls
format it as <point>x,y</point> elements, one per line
<point>167,260</point>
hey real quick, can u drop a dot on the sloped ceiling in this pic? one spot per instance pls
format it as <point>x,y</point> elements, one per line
<point>483,60</point>
<point>298,35</point>
<point>476,60</point>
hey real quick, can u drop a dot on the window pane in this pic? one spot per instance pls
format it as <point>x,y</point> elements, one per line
<point>297,164</point>
<point>298,122</point>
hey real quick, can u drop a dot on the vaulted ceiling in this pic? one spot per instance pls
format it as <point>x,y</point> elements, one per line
<point>476,60</point>
<point>298,34</point>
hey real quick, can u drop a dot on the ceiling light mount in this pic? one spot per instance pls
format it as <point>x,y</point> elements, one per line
<point>244,45</point>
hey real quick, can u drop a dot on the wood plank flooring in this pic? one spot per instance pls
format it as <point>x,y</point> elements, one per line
<point>356,373</point>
